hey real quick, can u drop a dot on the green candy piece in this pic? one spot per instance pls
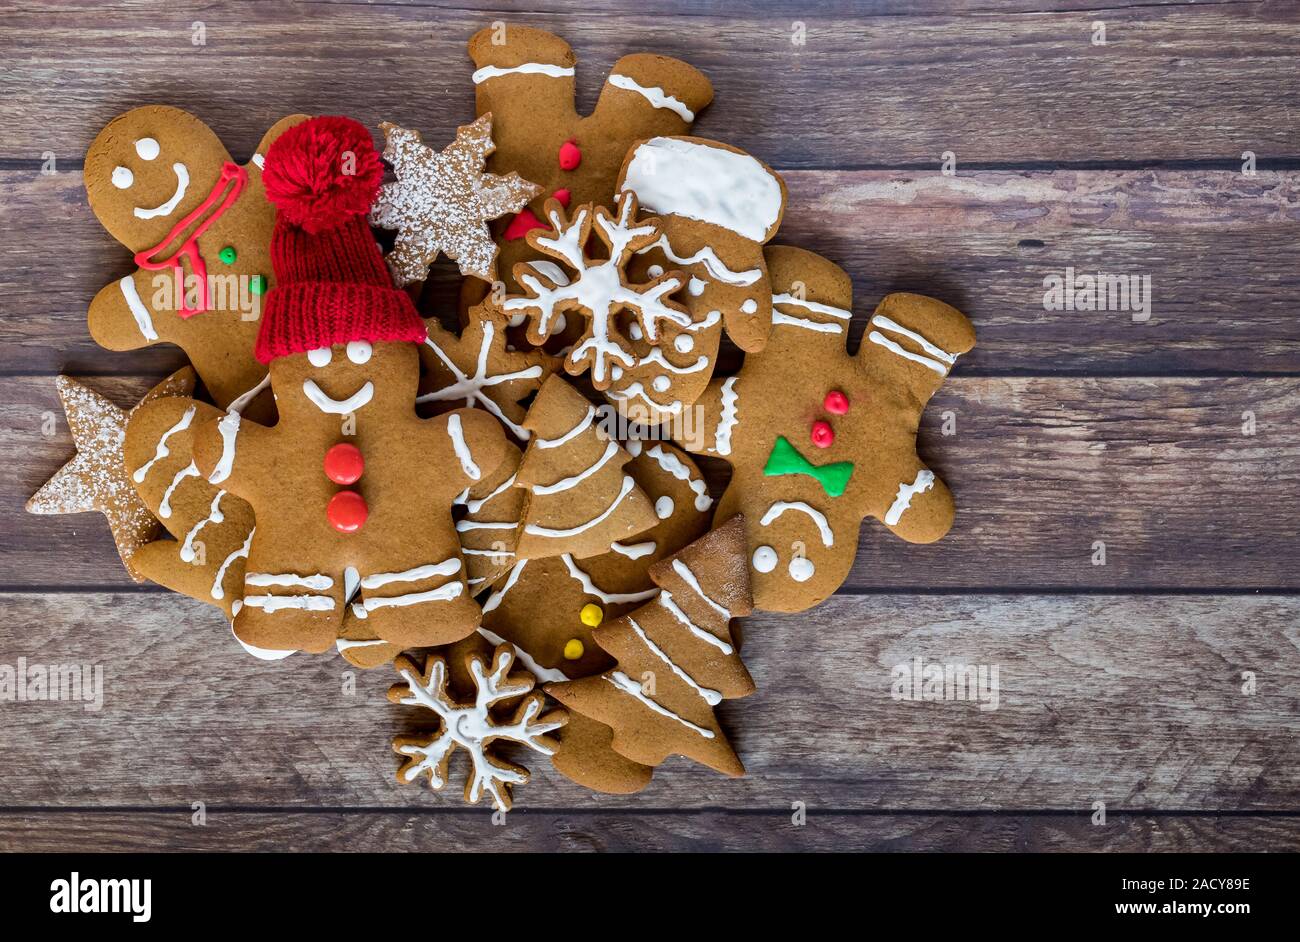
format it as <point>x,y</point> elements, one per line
<point>257,284</point>
<point>228,255</point>
<point>785,459</point>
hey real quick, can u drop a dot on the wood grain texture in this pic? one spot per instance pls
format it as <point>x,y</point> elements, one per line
<point>1136,702</point>
<point>1177,83</point>
<point>653,831</point>
<point>1221,251</point>
<point>1158,469</point>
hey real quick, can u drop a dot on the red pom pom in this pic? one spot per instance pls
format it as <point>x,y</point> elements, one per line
<point>321,173</point>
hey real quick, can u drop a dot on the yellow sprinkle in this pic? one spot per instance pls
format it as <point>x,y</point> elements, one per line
<point>573,649</point>
<point>591,615</point>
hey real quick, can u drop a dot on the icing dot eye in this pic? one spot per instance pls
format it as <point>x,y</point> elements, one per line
<point>801,569</point>
<point>661,383</point>
<point>147,148</point>
<point>684,343</point>
<point>664,507</point>
<point>764,559</point>
<point>122,177</point>
<point>654,271</point>
<point>749,307</point>
<point>573,649</point>
<point>358,351</point>
<point>591,615</point>
<point>319,357</point>
<point>696,288</point>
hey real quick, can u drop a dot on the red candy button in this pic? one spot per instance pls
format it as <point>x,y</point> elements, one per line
<point>344,464</point>
<point>836,402</point>
<point>347,511</point>
<point>524,223</point>
<point>562,197</point>
<point>823,436</point>
<point>570,155</point>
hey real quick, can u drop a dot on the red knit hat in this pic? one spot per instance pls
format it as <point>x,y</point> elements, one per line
<point>332,285</point>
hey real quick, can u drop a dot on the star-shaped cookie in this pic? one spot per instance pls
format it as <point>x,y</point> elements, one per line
<point>442,201</point>
<point>96,479</point>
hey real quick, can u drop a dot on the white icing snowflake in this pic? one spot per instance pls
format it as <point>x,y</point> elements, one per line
<point>598,289</point>
<point>472,727</point>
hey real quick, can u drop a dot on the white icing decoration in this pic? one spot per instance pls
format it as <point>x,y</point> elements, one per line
<point>820,326</point>
<point>191,470</point>
<point>764,559</point>
<point>262,580</point>
<point>351,583</point>
<point>165,209</point>
<point>241,402</point>
<point>749,306</point>
<point>547,675</point>
<point>538,530</point>
<point>695,287</point>
<point>320,357</point>
<point>217,591</point>
<point>147,148</point>
<point>711,697</point>
<point>924,481</point>
<point>814,306</point>
<point>653,94</point>
<point>710,184</point>
<point>565,484</point>
<point>637,391</point>
<point>678,469</point>
<point>344,644</point>
<point>528,68</point>
<point>634,550</point>
<point>654,271</point>
<point>228,426</point>
<point>162,451</point>
<point>461,447</point>
<point>727,418</point>
<point>464,526</point>
<point>141,313</point>
<point>277,603</point>
<point>939,360</point>
<point>683,343</point>
<point>359,351</point>
<point>214,516</point>
<point>448,567</point>
<point>629,686</point>
<point>262,654</point>
<point>470,388</point>
<point>664,507</point>
<point>666,600</point>
<point>715,266</point>
<point>122,177</point>
<point>259,161</point>
<point>801,569</point>
<point>337,406</point>
<point>444,593</point>
<point>474,505</point>
<point>660,383</point>
<point>495,598</point>
<point>684,572</point>
<point>819,518</point>
<point>589,587</point>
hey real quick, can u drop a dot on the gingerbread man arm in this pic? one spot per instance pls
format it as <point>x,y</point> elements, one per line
<point>658,94</point>
<point>501,56</point>
<point>913,342</point>
<point>235,454</point>
<point>709,425</point>
<point>464,446</point>
<point>122,315</point>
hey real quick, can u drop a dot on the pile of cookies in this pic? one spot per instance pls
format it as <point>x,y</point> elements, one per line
<point>508,513</point>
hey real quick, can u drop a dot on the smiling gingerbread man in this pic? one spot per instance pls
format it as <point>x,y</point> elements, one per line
<point>351,490</point>
<point>199,227</point>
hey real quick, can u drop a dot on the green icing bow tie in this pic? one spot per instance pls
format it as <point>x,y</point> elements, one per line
<point>785,459</point>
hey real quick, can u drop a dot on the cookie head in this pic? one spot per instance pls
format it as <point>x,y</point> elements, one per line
<point>343,379</point>
<point>148,169</point>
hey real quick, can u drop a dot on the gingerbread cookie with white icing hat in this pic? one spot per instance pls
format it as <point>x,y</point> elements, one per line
<point>839,442</point>
<point>163,185</point>
<point>525,78</point>
<point>352,491</point>
<point>716,207</point>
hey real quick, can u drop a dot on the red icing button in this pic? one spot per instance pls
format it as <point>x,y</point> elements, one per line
<point>344,464</point>
<point>570,155</point>
<point>347,511</point>
<point>823,436</point>
<point>524,223</point>
<point>836,402</point>
<point>562,197</point>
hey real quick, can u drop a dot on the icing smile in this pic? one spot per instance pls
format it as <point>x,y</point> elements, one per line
<point>337,406</point>
<point>165,209</point>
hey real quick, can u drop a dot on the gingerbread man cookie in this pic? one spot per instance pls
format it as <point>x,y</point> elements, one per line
<point>199,225</point>
<point>525,78</point>
<point>838,443</point>
<point>351,490</point>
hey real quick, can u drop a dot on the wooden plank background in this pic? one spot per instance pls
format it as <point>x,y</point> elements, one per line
<point>1174,441</point>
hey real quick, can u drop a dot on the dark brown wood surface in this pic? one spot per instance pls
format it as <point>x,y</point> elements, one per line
<point>1174,441</point>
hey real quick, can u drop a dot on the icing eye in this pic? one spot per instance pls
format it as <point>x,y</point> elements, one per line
<point>661,383</point>
<point>683,343</point>
<point>122,177</point>
<point>358,351</point>
<point>147,148</point>
<point>319,357</point>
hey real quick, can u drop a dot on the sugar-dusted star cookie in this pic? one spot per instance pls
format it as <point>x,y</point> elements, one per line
<point>96,479</point>
<point>443,200</point>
